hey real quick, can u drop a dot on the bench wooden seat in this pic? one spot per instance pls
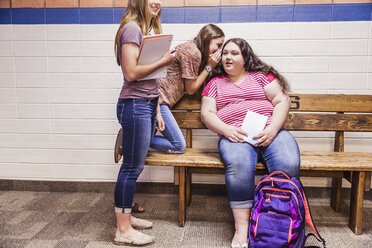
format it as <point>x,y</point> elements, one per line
<point>309,112</point>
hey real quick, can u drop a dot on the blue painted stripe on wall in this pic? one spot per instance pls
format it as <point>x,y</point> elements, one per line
<point>28,16</point>
<point>221,14</point>
<point>5,16</point>
<point>63,16</point>
<point>239,14</point>
<point>313,13</point>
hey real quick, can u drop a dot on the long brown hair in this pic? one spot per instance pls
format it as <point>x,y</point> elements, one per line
<point>251,63</point>
<point>203,40</point>
<point>137,11</point>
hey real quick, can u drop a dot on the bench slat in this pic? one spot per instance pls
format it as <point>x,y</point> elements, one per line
<point>315,161</point>
<point>297,121</point>
<point>329,122</point>
<point>305,102</point>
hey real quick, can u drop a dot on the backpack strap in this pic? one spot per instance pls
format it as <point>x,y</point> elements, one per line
<point>280,173</point>
<point>309,220</point>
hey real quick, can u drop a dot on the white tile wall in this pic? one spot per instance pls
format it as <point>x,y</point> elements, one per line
<point>30,48</point>
<point>348,64</point>
<point>32,80</point>
<point>33,111</point>
<point>29,32</point>
<point>63,32</point>
<point>7,80</point>
<point>59,85</point>
<point>6,48</point>
<point>31,64</point>
<point>8,111</point>
<point>6,32</point>
<point>7,64</point>
<point>64,48</point>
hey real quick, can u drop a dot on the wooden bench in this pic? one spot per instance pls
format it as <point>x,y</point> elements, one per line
<point>309,112</point>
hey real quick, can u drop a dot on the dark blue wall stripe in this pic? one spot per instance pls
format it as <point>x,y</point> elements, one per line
<point>239,14</point>
<point>62,16</point>
<point>5,16</point>
<point>313,13</point>
<point>28,16</point>
<point>221,14</point>
<point>278,13</point>
<point>352,12</point>
<point>96,15</point>
<point>202,14</point>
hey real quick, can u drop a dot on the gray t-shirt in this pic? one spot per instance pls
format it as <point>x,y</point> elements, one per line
<point>131,33</point>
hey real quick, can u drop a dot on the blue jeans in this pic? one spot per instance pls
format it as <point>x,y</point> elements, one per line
<point>172,140</point>
<point>240,161</point>
<point>138,119</point>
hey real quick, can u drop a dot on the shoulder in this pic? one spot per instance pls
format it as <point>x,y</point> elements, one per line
<point>189,47</point>
<point>131,26</point>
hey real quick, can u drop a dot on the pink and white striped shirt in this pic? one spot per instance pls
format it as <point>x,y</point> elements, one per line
<point>234,100</point>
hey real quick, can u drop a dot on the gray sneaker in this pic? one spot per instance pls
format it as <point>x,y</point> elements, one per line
<point>141,224</point>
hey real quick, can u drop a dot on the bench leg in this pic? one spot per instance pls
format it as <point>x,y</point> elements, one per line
<point>336,194</point>
<point>176,176</point>
<point>188,187</point>
<point>368,181</point>
<point>182,197</point>
<point>356,202</point>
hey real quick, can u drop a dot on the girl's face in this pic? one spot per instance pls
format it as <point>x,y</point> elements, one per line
<point>155,7</point>
<point>232,59</point>
<point>216,44</point>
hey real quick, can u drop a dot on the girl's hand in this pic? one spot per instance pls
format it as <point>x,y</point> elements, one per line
<point>265,137</point>
<point>160,124</point>
<point>168,57</point>
<point>214,58</point>
<point>235,134</point>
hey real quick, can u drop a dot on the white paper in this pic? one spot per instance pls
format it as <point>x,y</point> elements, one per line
<point>152,49</point>
<point>253,124</point>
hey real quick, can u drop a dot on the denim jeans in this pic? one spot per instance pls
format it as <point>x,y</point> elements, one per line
<point>138,119</point>
<point>172,140</point>
<point>240,161</point>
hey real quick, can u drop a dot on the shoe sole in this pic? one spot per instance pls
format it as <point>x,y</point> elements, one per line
<point>130,244</point>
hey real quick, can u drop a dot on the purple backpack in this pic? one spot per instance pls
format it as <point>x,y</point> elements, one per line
<point>280,211</point>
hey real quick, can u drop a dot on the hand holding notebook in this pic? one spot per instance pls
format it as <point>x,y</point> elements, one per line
<point>253,124</point>
<point>152,49</point>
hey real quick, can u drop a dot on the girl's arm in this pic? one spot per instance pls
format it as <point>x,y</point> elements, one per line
<point>211,120</point>
<point>132,70</point>
<point>192,85</point>
<point>160,124</point>
<point>280,100</point>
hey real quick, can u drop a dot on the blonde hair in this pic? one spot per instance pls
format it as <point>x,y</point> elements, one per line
<point>137,11</point>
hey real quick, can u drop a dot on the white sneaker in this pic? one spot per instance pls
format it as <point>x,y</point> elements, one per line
<point>140,239</point>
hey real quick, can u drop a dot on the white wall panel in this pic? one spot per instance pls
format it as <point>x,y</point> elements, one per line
<point>30,48</point>
<point>7,64</point>
<point>312,30</point>
<point>64,48</point>
<point>6,32</point>
<point>32,95</point>
<point>6,48</point>
<point>29,32</point>
<point>32,80</point>
<point>33,111</point>
<point>351,30</point>
<point>7,80</point>
<point>63,32</point>
<point>348,64</point>
<point>8,95</point>
<point>31,64</point>
<point>8,111</point>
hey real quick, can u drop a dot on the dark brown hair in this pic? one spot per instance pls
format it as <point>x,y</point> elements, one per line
<point>251,63</point>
